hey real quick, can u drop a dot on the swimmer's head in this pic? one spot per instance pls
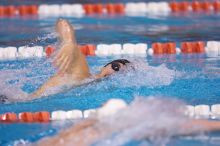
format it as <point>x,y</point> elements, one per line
<point>114,66</point>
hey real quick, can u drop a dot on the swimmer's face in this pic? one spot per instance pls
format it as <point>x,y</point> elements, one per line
<point>111,68</point>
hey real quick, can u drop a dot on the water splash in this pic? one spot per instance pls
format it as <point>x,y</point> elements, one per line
<point>153,118</point>
<point>137,75</point>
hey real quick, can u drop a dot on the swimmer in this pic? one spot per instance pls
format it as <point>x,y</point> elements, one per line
<point>72,66</point>
<point>90,131</point>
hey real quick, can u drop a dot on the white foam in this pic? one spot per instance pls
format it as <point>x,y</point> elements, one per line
<point>111,107</point>
<point>147,76</point>
<point>190,111</point>
<point>89,113</point>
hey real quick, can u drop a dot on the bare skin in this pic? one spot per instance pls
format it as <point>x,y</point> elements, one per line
<point>71,63</point>
<point>84,133</point>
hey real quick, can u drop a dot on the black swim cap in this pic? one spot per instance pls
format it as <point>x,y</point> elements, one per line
<point>122,61</point>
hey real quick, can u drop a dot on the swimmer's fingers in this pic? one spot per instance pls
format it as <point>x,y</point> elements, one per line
<point>62,66</point>
<point>59,59</point>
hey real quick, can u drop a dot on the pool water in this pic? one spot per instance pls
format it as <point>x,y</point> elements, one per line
<point>194,78</point>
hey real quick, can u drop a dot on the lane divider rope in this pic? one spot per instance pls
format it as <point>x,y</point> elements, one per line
<point>131,8</point>
<point>210,48</point>
<point>112,106</point>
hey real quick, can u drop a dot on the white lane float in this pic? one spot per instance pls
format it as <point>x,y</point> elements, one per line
<point>74,114</point>
<point>134,49</point>
<point>213,49</point>
<point>29,52</point>
<point>202,111</point>
<point>8,53</point>
<point>58,115</point>
<point>74,10</point>
<point>215,109</point>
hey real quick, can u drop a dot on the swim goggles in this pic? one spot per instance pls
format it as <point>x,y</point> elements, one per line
<point>115,66</point>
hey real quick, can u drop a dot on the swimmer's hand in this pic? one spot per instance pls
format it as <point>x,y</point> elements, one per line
<point>69,51</point>
<point>65,58</point>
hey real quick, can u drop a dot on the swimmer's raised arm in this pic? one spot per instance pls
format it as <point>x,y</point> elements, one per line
<point>69,60</point>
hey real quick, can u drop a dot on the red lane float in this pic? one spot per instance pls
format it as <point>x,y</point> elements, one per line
<point>164,48</point>
<point>193,47</point>
<point>184,6</point>
<point>8,117</point>
<point>2,11</point>
<point>199,47</point>
<point>42,116</point>
<point>196,6</point>
<point>174,6</point>
<point>186,47</point>
<point>158,48</point>
<point>206,6</point>
<point>179,6</point>
<point>28,10</point>
<point>93,9</point>
<point>23,10</point>
<point>33,9</point>
<point>88,50</point>
<point>216,6</point>
<point>49,50</point>
<point>10,10</point>
<point>88,9</point>
<point>98,8</point>
<point>26,117</point>
<point>115,8</point>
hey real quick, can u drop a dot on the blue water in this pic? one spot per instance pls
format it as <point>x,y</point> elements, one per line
<point>198,82</point>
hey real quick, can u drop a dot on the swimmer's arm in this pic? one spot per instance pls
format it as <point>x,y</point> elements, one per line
<point>82,134</point>
<point>69,58</point>
<point>196,126</point>
<point>86,129</point>
<point>52,82</point>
